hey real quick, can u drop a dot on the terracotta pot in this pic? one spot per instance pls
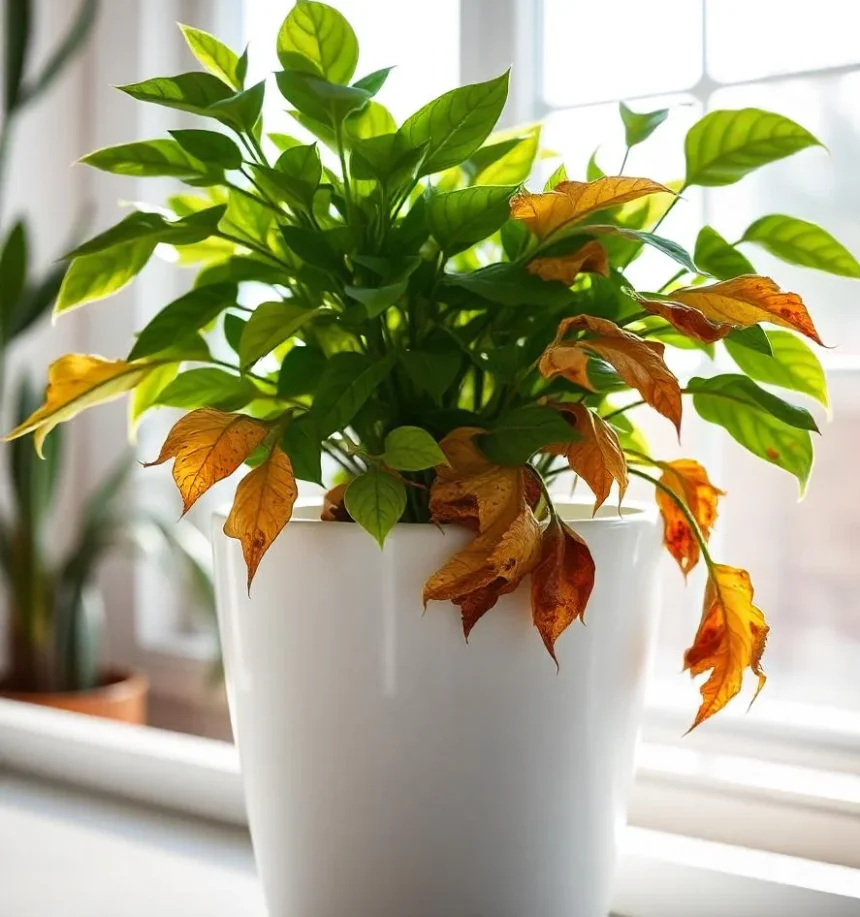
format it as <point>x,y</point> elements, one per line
<point>121,697</point>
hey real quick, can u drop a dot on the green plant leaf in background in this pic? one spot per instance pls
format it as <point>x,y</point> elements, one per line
<point>714,255</point>
<point>373,82</point>
<point>301,442</point>
<point>792,365</point>
<point>13,276</point>
<point>453,126</point>
<point>270,324</point>
<point>373,120</point>
<point>432,371</point>
<point>348,381</point>
<point>458,219</point>
<point>315,38</point>
<point>148,158</point>
<point>17,28</point>
<point>412,449</point>
<point>192,92</point>
<point>726,145</point>
<point>242,110</point>
<point>800,242</point>
<point>320,100</point>
<point>593,170</point>
<point>210,387</point>
<point>146,394</point>
<point>753,338</point>
<point>300,372</point>
<point>376,500</point>
<point>209,147</point>
<point>508,161</point>
<point>523,431</point>
<point>215,56</point>
<point>735,403</point>
<point>638,127</point>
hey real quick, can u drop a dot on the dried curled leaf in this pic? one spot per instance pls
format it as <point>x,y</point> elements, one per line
<point>730,639</point>
<point>262,507</point>
<point>333,508</point>
<point>78,381</point>
<point>561,582</point>
<point>572,201</point>
<point>639,363</point>
<point>596,456</point>
<point>590,259</point>
<point>689,481</point>
<point>688,321</point>
<point>208,446</point>
<point>748,300</point>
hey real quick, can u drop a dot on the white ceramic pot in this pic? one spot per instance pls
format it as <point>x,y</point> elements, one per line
<point>392,770</point>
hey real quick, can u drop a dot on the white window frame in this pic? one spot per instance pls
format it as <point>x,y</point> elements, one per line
<point>792,796</point>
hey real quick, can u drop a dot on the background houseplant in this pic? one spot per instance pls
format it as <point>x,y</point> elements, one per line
<point>55,611</point>
<point>436,328</point>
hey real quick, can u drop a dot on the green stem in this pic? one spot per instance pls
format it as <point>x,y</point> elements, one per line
<point>627,407</point>
<point>244,372</point>
<point>347,189</point>
<point>638,317</point>
<point>253,197</point>
<point>624,161</point>
<point>253,246</point>
<point>676,276</point>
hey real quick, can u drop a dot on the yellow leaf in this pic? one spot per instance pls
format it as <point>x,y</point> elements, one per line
<point>78,381</point>
<point>591,258</point>
<point>596,456</point>
<point>688,480</point>
<point>262,507</point>
<point>208,446</point>
<point>561,582</point>
<point>572,201</point>
<point>688,321</point>
<point>745,301</point>
<point>730,639</point>
<point>333,509</point>
<point>639,363</point>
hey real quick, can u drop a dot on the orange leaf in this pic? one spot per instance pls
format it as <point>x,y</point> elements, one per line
<point>262,507</point>
<point>748,300</point>
<point>689,481</point>
<point>572,201</point>
<point>688,320</point>
<point>208,446</point>
<point>333,509</point>
<point>639,363</point>
<point>730,639</point>
<point>591,258</point>
<point>561,582</point>
<point>597,456</point>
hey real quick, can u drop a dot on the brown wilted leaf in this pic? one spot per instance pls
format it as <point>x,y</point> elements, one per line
<point>572,201</point>
<point>730,639</point>
<point>591,259</point>
<point>333,509</point>
<point>78,381</point>
<point>561,582</point>
<point>208,446</point>
<point>748,300</point>
<point>262,507</point>
<point>689,481</point>
<point>639,363</point>
<point>688,320</point>
<point>596,456</point>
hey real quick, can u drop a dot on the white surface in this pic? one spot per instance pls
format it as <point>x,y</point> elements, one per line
<point>391,769</point>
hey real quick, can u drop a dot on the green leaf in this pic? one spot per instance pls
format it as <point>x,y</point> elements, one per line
<point>728,404</point>
<point>13,275</point>
<point>523,431</point>
<point>248,218</point>
<point>348,381</point>
<point>377,299</point>
<point>453,126</point>
<point>726,145</point>
<point>17,34</point>
<point>270,324</point>
<point>387,158</point>
<point>792,365</point>
<point>328,103</point>
<point>296,175</point>
<point>753,338</point>
<point>412,449</point>
<point>312,246</point>
<point>208,387</point>
<point>376,500</point>
<point>215,56</point>
<point>210,147</point>
<point>511,161</point>
<point>668,335</point>
<point>148,158</point>
<point>629,435</point>
<point>714,255</point>
<point>432,371</point>
<point>374,120</point>
<point>512,285</point>
<point>740,390</point>
<point>234,328</point>
<point>373,82</point>
<point>191,92</point>
<point>558,176</point>
<point>93,277</point>
<point>300,372</point>
<point>242,110</point>
<point>183,317</point>
<point>638,127</point>
<point>800,242</point>
<point>145,395</point>
<point>593,170</point>
<point>284,142</point>
<point>674,251</point>
<point>515,237</point>
<point>458,219</point>
<point>320,35</point>
<point>36,301</point>
<point>301,442</point>
<point>71,43</point>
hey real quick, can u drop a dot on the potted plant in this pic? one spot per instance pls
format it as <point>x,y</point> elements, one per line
<point>454,343</point>
<point>55,615</point>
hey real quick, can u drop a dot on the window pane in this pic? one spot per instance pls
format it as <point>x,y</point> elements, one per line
<point>812,185</point>
<point>619,48</point>
<point>425,48</point>
<point>748,39</point>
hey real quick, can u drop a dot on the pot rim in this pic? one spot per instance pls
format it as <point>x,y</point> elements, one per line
<point>577,510</point>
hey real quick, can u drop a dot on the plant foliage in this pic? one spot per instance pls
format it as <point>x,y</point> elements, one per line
<point>453,340</point>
